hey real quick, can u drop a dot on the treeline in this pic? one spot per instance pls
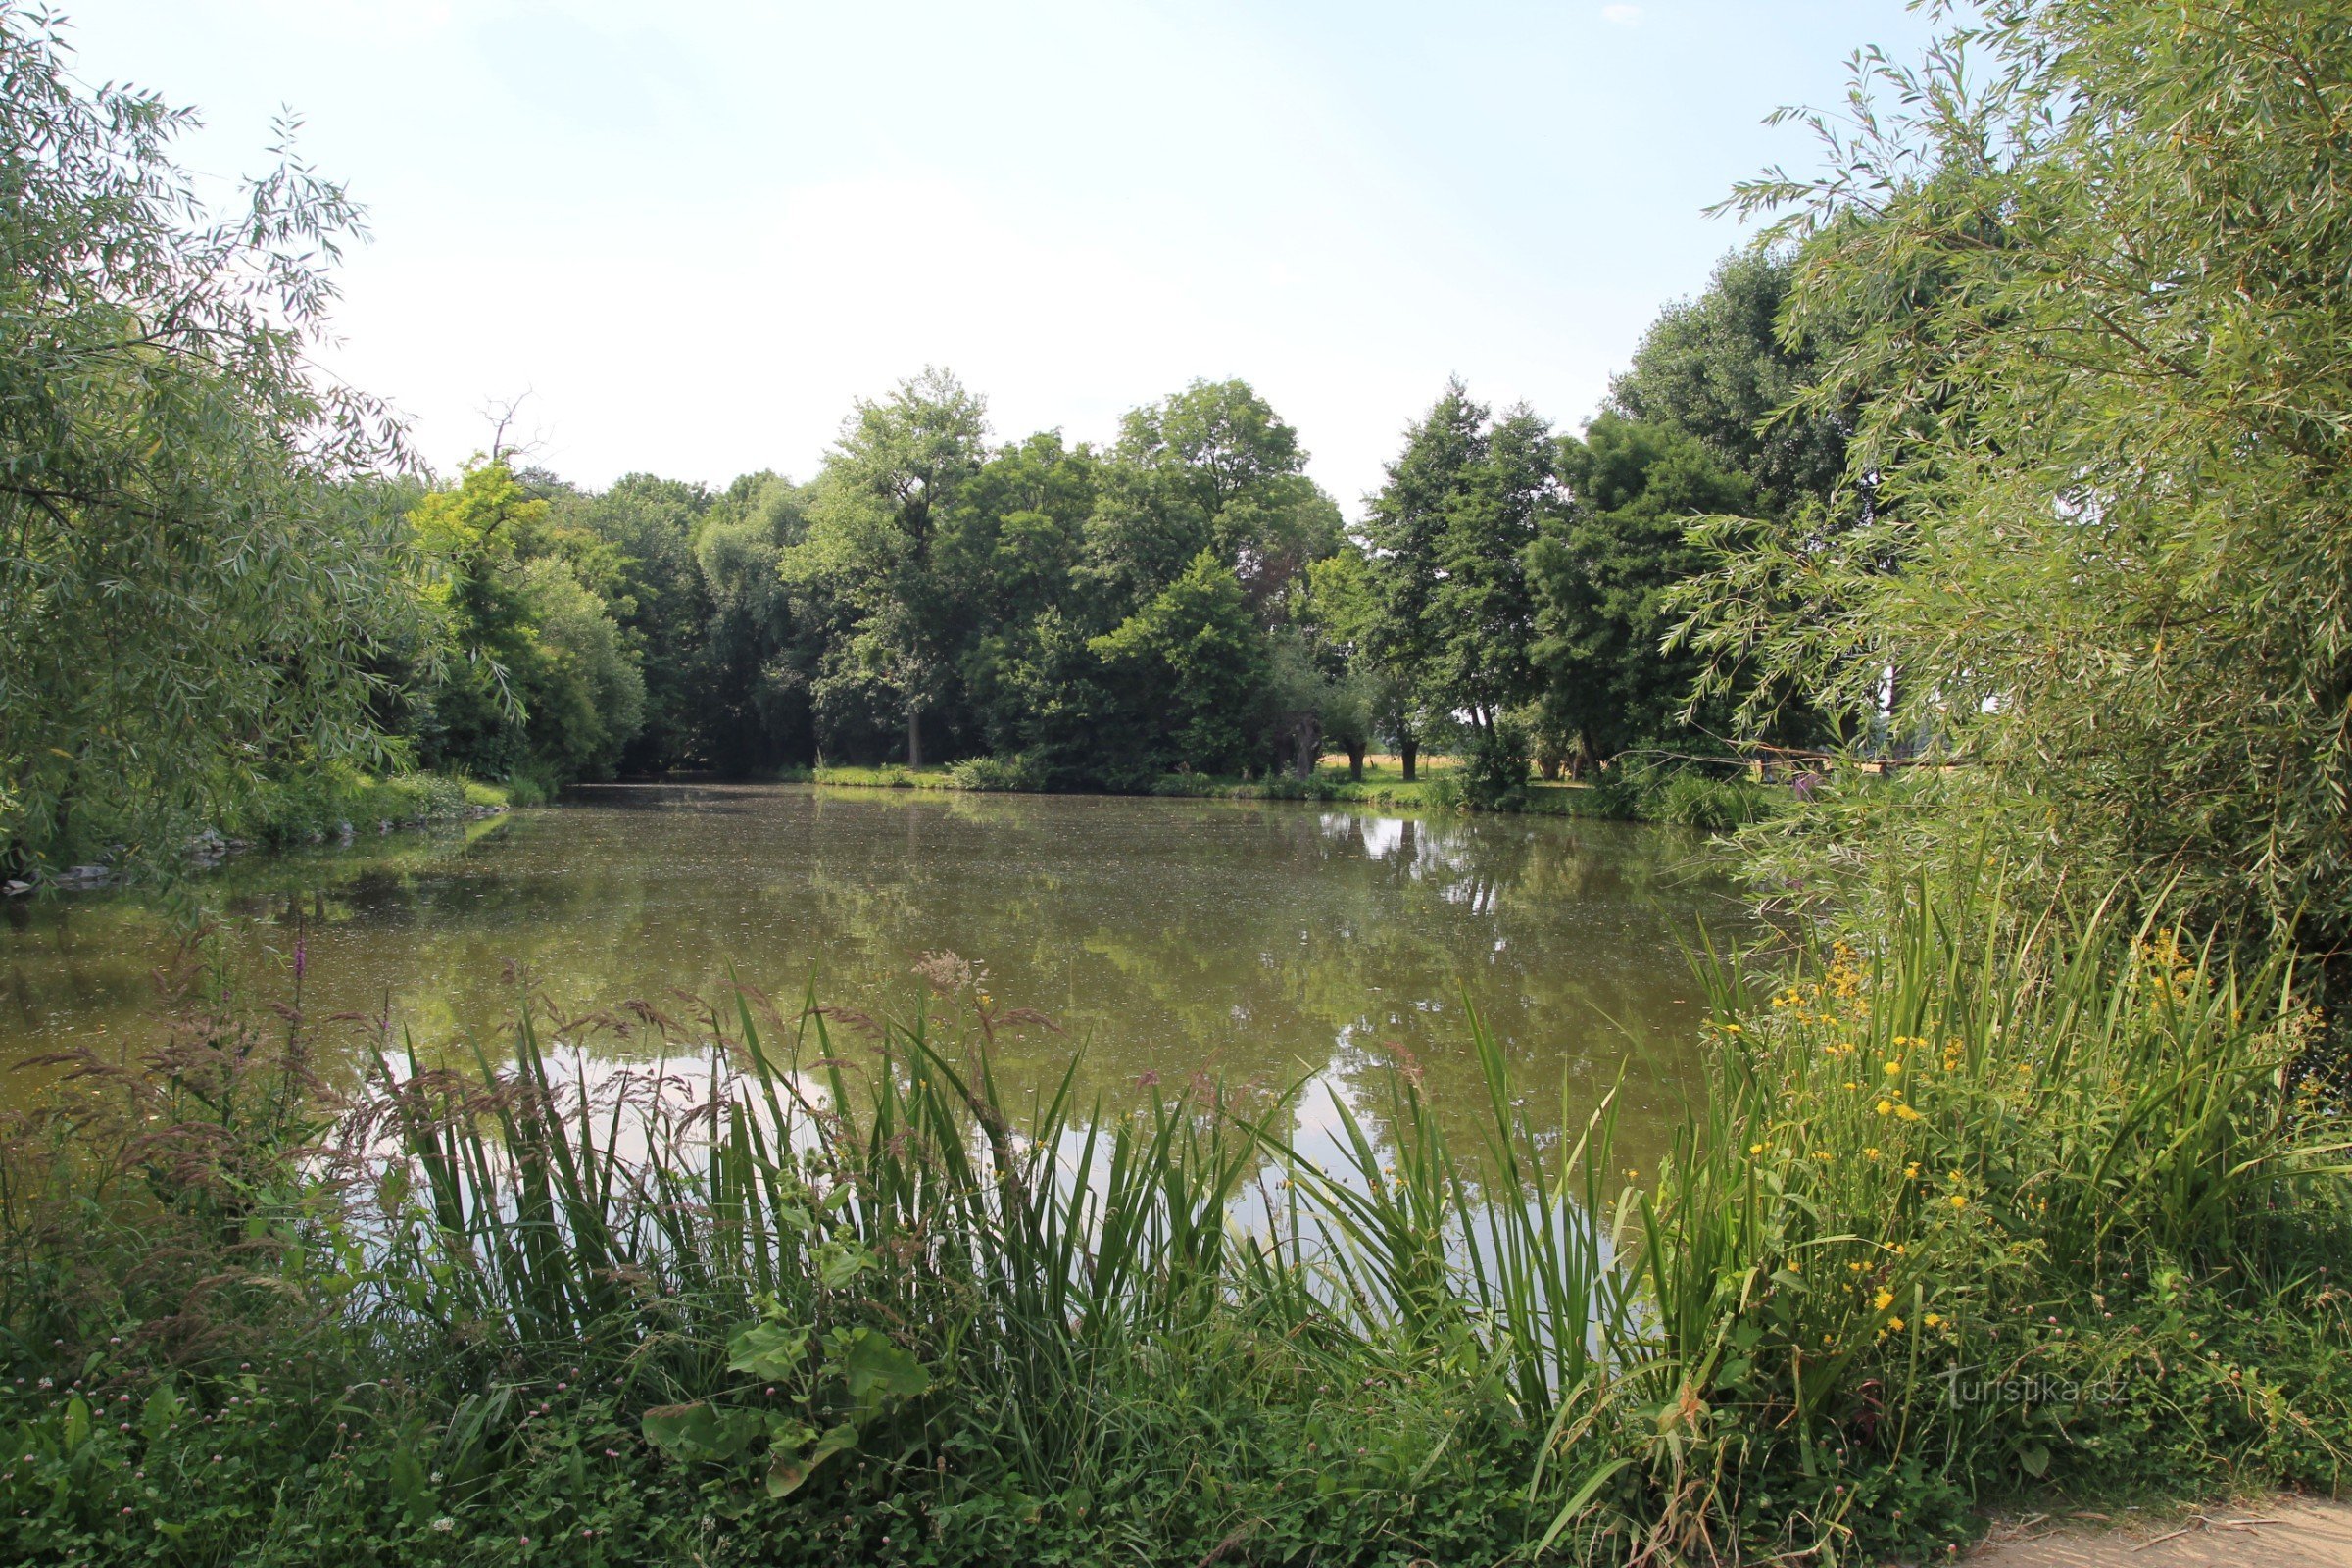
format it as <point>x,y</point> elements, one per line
<point>225,578</point>
<point>1183,600</point>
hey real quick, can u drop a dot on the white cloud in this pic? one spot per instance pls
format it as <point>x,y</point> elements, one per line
<point>1622,16</point>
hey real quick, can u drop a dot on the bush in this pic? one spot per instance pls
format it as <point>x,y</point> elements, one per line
<point>1495,773</point>
<point>1018,772</point>
<point>1290,787</point>
<point>1188,785</point>
<point>529,789</point>
<point>2064,1156</point>
<point>1442,789</point>
<point>1713,803</point>
<point>1638,789</point>
<point>1625,789</point>
<point>321,804</point>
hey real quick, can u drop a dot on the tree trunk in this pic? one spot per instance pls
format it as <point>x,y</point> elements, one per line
<point>1408,751</point>
<point>1308,753</point>
<point>915,736</point>
<point>1355,761</point>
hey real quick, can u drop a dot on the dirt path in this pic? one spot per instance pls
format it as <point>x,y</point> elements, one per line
<point>2283,1532</point>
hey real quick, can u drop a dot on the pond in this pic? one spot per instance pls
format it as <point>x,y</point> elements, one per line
<point>1265,941</point>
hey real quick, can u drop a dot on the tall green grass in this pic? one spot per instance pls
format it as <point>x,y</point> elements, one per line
<point>826,1264</point>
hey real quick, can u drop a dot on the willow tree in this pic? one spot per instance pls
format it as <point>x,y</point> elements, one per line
<point>2100,259</point>
<point>191,598</point>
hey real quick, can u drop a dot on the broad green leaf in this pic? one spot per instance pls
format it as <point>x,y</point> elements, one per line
<point>163,1407</point>
<point>700,1433</point>
<point>791,1464</point>
<point>839,1262</point>
<point>767,1350</point>
<point>877,1370</point>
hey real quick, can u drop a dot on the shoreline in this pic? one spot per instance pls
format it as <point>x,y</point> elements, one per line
<point>1545,798</point>
<point>308,815</point>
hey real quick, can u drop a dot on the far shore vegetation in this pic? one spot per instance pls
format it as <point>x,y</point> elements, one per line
<point>1716,796</point>
<point>1973,558</point>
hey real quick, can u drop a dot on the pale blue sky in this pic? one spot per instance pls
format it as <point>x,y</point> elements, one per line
<point>694,231</point>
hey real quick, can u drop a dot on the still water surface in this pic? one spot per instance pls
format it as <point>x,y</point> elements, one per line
<point>1266,941</point>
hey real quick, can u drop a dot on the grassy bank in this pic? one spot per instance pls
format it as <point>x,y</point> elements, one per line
<point>1686,797</point>
<point>1381,785</point>
<point>328,804</point>
<point>1964,1221</point>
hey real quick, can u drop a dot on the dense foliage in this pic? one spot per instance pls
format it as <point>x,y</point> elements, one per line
<point>2088,264</point>
<point>193,597</point>
<point>1184,602</point>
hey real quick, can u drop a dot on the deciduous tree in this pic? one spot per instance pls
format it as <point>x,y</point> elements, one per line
<point>189,600</point>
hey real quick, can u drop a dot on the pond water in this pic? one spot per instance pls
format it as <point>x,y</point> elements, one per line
<point>1266,941</point>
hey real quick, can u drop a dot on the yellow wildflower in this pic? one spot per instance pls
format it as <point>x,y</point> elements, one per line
<point>1932,1319</point>
<point>1906,1113</point>
<point>1893,1068</point>
<point>1872,1152</point>
<point>1882,1300</point>
<point>1886,1107</point>
<point>1895,1325</point>
<point>1959,1202</point>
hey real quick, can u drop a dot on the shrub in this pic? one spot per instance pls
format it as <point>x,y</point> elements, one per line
<point>1494,775</point>
<point>1627,788</point>
<point>1290,787</point>
<point>322,804</point>
<point>2063,1156</point>
<point>529,789</point>
<point>1186,784</point>
<point>1018,772</point>
<point>1711,803</point>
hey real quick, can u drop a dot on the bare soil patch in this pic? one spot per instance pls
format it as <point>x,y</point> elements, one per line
<point>2281,1533</point>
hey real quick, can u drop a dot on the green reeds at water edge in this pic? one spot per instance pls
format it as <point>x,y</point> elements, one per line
<point>851,1196</point>
<point>1967,1211</point>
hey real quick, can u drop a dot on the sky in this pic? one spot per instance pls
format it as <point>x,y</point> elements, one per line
<point>686,235</point>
